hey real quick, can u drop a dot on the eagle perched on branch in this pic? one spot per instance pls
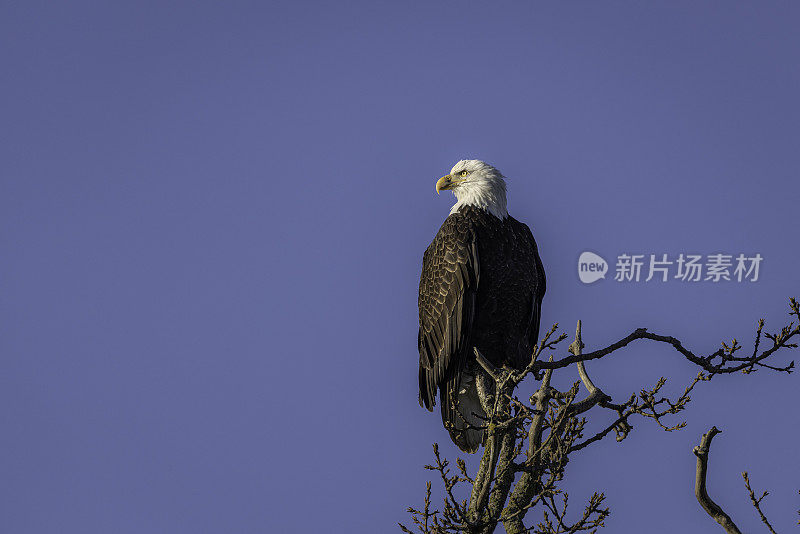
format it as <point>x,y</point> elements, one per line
<point>482,285</point>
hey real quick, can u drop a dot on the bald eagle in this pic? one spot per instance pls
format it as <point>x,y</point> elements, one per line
<point>482,285</point>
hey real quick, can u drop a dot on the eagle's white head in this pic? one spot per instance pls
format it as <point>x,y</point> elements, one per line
<point>476,183</point>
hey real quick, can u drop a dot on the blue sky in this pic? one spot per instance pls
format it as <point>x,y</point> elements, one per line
<point>212,220</point>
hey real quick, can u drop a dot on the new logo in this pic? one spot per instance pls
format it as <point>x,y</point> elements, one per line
<point>591,267</point>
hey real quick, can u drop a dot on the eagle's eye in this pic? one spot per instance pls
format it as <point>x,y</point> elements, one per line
<point>463,174</point>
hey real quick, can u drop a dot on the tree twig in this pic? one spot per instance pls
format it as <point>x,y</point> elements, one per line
<point>757,502</point>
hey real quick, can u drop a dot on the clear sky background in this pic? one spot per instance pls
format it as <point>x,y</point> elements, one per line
<point>212,220</point>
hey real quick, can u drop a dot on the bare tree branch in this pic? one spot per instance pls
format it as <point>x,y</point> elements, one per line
<point>528,444</point>
<point>712,508</point>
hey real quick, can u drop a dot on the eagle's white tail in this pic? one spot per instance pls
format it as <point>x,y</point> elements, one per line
<point>462,413</point>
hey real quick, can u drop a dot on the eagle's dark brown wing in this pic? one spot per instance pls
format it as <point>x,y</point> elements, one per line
<point>447,288</point>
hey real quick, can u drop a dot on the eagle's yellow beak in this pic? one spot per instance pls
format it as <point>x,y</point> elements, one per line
<point>445,182</point>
